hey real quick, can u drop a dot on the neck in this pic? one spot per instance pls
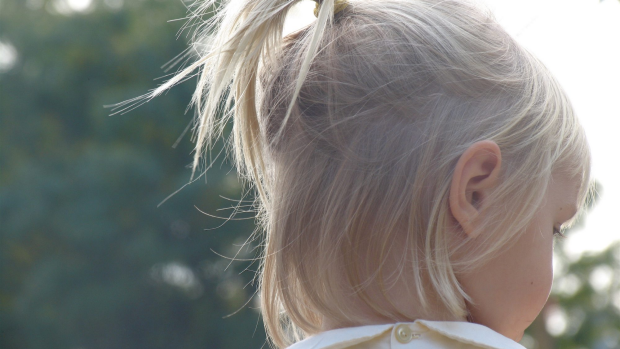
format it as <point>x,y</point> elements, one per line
<point>399,303</point>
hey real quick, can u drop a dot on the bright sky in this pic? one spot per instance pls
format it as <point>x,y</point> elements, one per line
<point>579,41</point>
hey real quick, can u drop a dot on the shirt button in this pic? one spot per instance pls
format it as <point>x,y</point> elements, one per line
<point>404,334</point>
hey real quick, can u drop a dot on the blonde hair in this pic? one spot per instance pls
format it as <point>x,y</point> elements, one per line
<point>349,130</point>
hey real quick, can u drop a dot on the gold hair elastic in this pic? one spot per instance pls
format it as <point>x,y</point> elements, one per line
<point>339,5</point>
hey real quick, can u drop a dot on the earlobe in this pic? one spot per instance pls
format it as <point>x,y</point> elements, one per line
<point>475,176</point>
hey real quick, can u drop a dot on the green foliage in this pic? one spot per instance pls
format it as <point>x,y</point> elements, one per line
<point>88,260</point>
<point>591,301</point>
<point>584,308</point>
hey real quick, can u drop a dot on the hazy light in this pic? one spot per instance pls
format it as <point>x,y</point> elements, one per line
<point>178,275</point>
<point>528,341</point>
<point>556,321</point>
<point>8,56</point>
<point>300,15</point>
<point>567,285</point>
<point>71,7</point>
<point>79,5</point>
<point>601,278</point>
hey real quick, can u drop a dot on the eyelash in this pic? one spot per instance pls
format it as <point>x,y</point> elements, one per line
<point>558,232</point>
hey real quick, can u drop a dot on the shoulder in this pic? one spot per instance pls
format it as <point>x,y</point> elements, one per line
<point>418,334</point>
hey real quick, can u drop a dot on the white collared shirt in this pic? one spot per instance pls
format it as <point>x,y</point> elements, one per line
<point>421,334</point>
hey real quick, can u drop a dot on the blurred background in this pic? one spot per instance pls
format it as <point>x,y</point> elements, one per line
<point>89,260</point>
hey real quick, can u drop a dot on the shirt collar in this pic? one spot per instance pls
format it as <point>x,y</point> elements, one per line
<point>465,332</point>
<point>472,333</point>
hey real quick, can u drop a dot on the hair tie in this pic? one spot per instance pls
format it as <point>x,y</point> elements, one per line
<point>339,5</point>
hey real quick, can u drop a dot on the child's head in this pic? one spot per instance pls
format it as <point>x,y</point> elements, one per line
<point>423,143</point>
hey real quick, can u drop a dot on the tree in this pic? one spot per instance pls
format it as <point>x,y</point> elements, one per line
<point>88,258</point>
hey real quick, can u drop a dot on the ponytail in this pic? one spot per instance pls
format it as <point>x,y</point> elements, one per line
<point>240,36</point>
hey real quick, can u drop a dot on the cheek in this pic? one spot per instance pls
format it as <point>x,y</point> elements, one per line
<point>537,282</point>
<point>533,282</point>
<point>541,260</point>
<point>511,290</point>
<point>536,277</point>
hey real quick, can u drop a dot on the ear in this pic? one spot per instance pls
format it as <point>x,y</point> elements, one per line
<point>475,175</point>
